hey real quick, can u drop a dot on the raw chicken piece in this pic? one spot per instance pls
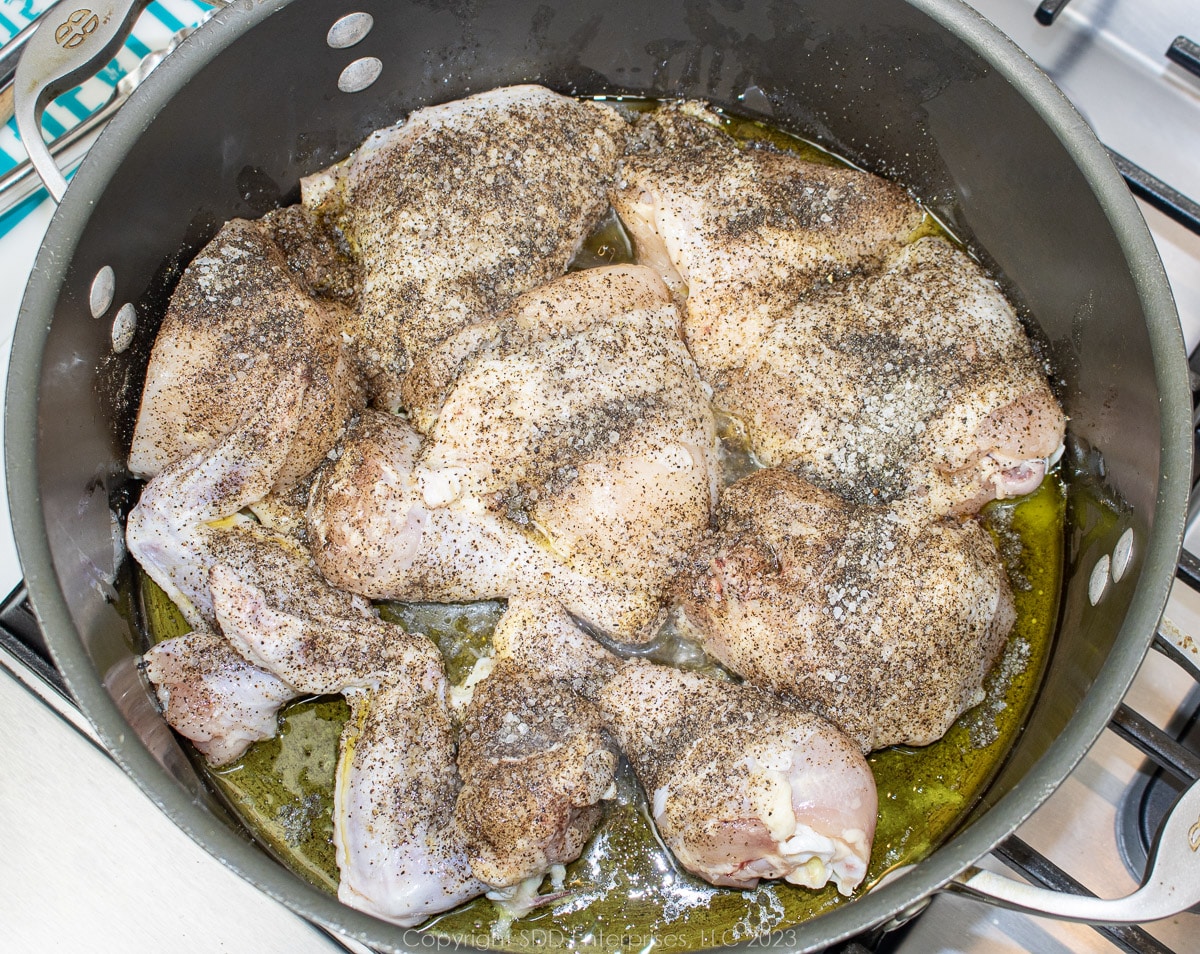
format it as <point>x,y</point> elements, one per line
<point>743,231</point>
<point>223,698</point>
<point>461,208</point>
<point>212,696</point>
<point>399,854</point>
<point>741,785</point>
<point>305,644</point>
<point>881,369</point>
<point>883,623</point>
<point>239,322</point>
<point>575,456</point>
<point>185,512</point>
<point>187,520</point>
<point>537,633</point>
<point>535,762</point>
<point>915,382</point>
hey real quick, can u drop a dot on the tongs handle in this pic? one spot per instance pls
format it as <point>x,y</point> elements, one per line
<point>70,44</point>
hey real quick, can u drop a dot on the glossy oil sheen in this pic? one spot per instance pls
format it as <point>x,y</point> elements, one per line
<point>283,788</point>
<point>625,893</point>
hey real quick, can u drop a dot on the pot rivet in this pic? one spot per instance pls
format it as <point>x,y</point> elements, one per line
<point>1099,581</point>
<point>360,74</point>
<point>103,288</point>
<point>124,325</point>
<point>1122,555</point>
<point>348,30</point>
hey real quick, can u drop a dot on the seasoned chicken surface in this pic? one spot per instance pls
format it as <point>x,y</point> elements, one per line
<point>914,382</point>
<point>239,322</point>
<point>882,368</point>
<point>212,696</point>
<point>883,623</point>
<point>398,852</point>
<point>461,208</point>
<point>575,456</point>
<point>535,762</point>
<point>740,785</point>
<point>187,521</point>
<point>184,514</point>
<point>741,231</point>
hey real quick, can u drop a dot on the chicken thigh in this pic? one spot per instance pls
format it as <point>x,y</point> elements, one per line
<point>239,322</point>
<point>535,762</point>
<point>575,456</point>
<point>742,231</point>
<point>883,623</point>
<point>741,786</point>
<point>459,209</point>
<point>913,383</point>
<point>882,367</point>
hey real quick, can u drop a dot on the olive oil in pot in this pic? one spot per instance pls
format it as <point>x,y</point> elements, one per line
<point>626,893</point>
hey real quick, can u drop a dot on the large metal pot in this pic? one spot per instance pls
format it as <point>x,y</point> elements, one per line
<point>924,91</point>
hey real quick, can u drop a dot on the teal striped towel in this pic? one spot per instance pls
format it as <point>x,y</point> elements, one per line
<point>153,30</point>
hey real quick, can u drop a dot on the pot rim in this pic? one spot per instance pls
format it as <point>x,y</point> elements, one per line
<point>1160,551</point>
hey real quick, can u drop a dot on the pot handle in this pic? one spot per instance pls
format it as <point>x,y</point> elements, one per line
<point>1171,884</point>
<point>71,43</point>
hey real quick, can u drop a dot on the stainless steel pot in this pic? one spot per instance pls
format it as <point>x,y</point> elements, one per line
<point>925,92</point>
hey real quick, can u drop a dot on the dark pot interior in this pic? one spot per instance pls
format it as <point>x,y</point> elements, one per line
<point>927,94</point>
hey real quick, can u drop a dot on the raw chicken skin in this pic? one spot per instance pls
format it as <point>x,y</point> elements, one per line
<point>741,786</point>
<point>883,623</point>
<point>574,456</point>
<point>738,230</point>
<point>398,851</point>
<point>210,695</point>
<point>187,521</point>
<point>239,322</point>
<point>459,209</point>
<point>535,762</point>
<point>175,527</point>
<point>912,383</point>
<point>882,368</point>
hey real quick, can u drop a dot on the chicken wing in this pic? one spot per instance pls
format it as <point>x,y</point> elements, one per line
<point>398,851</point>
<point>883,623</point>
<point>212,696</point>
<point>188,519</point>
<point>459,209</point>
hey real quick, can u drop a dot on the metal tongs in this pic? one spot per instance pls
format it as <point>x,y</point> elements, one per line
<point>57,52</point>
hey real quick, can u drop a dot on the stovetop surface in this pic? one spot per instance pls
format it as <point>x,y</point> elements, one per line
<point>101,869</point>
